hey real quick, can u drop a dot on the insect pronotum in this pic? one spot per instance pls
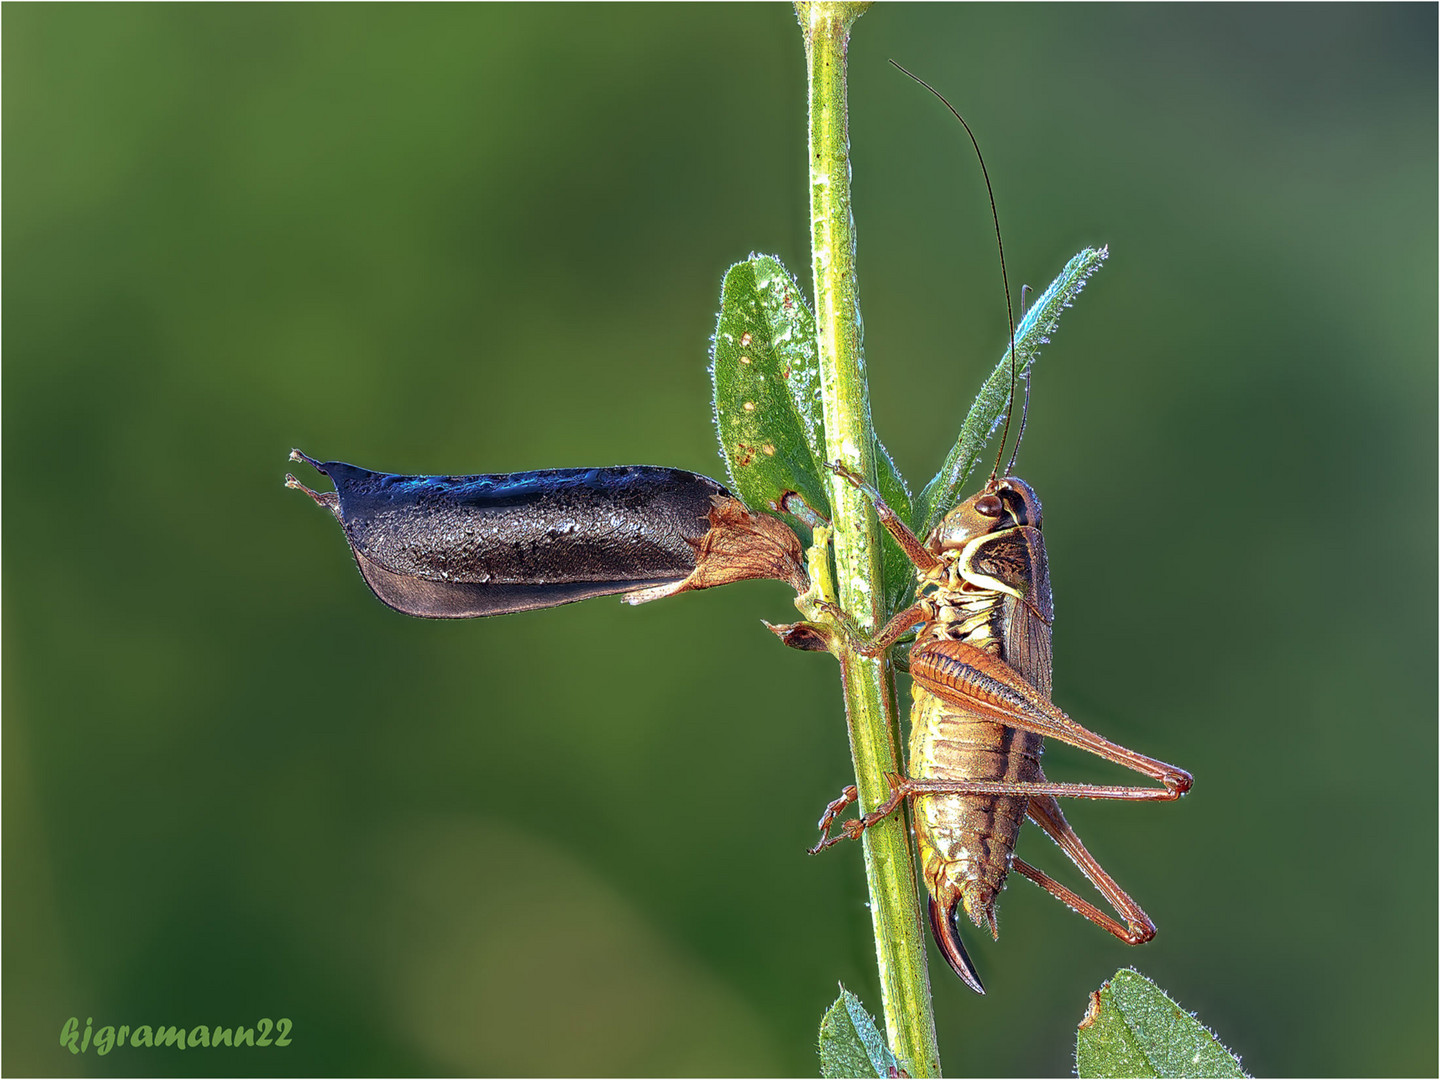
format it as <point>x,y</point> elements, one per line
<point>980,667</point>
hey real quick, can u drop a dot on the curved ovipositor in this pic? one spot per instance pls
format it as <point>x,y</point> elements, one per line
<point>946,929</point>
<point>454,547</point>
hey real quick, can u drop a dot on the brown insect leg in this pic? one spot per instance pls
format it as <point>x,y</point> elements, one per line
<point>910,543</point>
<point>888,634</point>
<point>902,788</point>
<point>986,686</point>
<point>1050,788</point>
<point>851,830</point>
<point>837,807</point>
<point>1046,813</point>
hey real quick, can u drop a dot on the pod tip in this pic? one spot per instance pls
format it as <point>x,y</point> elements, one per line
<point>300,455</point>
<point>328,499</point>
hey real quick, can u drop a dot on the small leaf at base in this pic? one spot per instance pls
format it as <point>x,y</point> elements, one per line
<point>851,1045</point>
<point>1131,1028</point>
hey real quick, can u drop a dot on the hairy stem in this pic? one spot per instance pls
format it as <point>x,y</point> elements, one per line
<point>869,685</point>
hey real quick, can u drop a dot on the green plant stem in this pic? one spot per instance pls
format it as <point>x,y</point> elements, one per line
<point>869,685</point>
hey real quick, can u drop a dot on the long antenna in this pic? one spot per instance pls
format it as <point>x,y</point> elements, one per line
<point>1025,408</point>
<point>1000,244</point>
<point>1024,416</point>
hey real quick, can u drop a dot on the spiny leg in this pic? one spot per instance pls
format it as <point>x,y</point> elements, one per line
<point>1046,813</point>
<point>836,807</point>
<point>887,635</point>
<point>851,830</point>
<point>903,787</point>
<point>1036,790</point>
<point>987,687</point>
<point>911,544</point>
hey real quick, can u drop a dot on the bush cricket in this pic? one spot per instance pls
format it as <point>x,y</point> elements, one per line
<point>981,671</point>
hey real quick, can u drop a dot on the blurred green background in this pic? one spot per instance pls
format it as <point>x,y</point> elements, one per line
<point>467,239</point>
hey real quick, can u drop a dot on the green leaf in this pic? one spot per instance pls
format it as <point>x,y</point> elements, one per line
<point>767,386</point>
<point>766,377</point>
<point>1038,323</point>
<point>851,1045</point>
<point>1132,1029</point>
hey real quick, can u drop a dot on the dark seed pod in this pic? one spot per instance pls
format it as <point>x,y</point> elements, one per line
<point>453,547</point>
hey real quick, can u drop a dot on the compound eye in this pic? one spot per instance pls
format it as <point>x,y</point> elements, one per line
<point>989,505</point>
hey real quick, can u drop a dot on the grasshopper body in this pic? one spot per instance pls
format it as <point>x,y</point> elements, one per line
<point>981,709</point>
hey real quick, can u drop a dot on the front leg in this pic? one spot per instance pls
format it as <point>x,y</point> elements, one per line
<point>924,560</point>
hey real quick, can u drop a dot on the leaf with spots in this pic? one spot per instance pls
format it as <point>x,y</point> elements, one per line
<point>1132,1029</point>
<point>990,405</point>
<point>767,386</point>
<point>766,377</point>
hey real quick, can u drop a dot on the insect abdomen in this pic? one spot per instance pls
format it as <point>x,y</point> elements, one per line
<point>966,841</point>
